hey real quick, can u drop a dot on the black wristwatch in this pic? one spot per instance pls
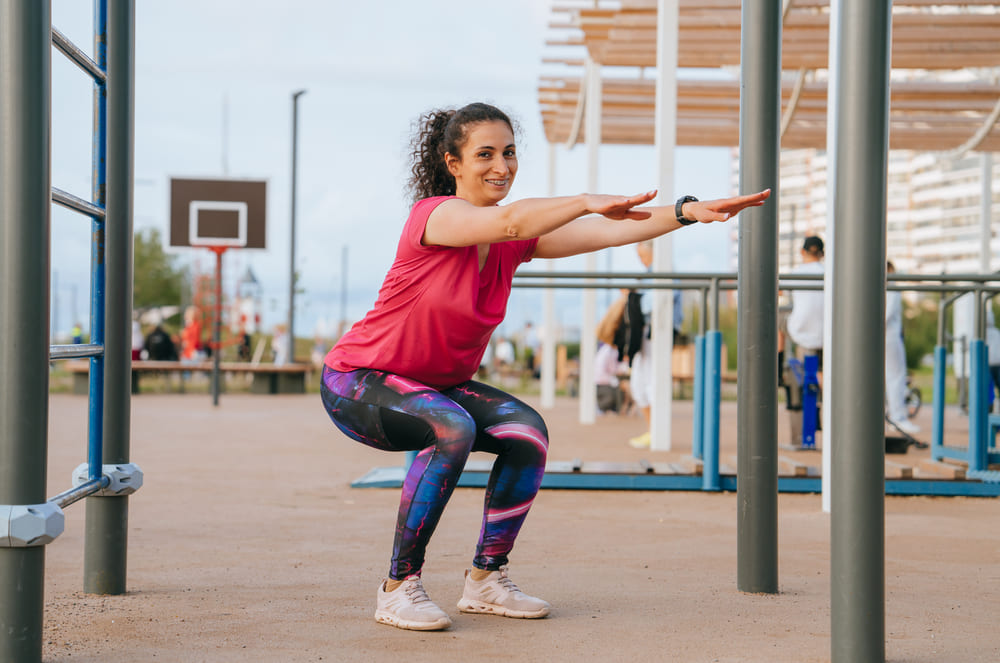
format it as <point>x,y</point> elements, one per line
<point>680,214</point>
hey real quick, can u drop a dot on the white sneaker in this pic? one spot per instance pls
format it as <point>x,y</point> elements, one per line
<point>907,426</point>
<point>498,595</point>
<point>641,441</point>
<point>409,607</point>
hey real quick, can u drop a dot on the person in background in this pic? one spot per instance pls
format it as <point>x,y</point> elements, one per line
<point>77,334</point>
<point>642,377</point>
<point>401,378</point>
<point>504,354</point>
<point>804,323</point>
<point>895,361</point>
<point>243,349</point>
<point>191,335</point>
<point>993,355</point>
<point>159,346</point>
<point>137,341</point>
<point>280,344</point>
<point>606,370</point>
<point>530,348</point>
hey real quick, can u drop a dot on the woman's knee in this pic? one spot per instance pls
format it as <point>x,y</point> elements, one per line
<point>455,432</point>
<point>526,438</point>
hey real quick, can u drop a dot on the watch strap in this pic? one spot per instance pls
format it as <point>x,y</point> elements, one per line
<point>679,206</point>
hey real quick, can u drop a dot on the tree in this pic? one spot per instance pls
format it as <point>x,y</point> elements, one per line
<point>156,280</point>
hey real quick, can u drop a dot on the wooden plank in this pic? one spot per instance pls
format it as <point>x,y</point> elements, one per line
<point>941,470</point>
<point>551,467</point>
<point>793,467</point>
<point>606,467</point>
<point>894,470</point>
<point>690,465</point>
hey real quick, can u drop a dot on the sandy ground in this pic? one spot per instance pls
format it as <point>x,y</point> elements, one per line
<point>247,543</point>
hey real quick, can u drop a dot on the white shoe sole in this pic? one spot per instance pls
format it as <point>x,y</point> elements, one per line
<point>478,607</point>
<point>384,617</point>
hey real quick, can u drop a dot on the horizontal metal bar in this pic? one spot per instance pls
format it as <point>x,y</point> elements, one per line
<point>77,56</point>
<point>69,201</point>
<point>63,500</point>
<point>681,276</point>
<point>691,281</point>
<point>75,351</point>
<point>608,285</point>
<point>731,276</point>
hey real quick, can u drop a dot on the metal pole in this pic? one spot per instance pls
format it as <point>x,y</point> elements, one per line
<point>217,325</point>
<point>107,517</point>
<point>588,338</point>
<point>291,264</point>
<point>25,106</point>
<point>857,524</point>
<point>698,398</point>
<point>830,275</point>
<point>711,384</point>
<point>698,418</point>
<point>343,288</point>
<point>940,369</point>
<point>757,318</point>
<point>98,266</point>
<point>662,323</point>
<point>978,386</point>
<point>548,368</point>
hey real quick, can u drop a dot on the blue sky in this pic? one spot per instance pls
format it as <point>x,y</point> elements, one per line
<point>370,69</point>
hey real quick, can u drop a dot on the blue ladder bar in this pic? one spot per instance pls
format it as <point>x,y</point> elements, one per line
<point>698,418</point>
<point>810,401</point>
<point>95,437</point>
<point>937,421</point>
<point>713,391</point>
<point>978,403</point>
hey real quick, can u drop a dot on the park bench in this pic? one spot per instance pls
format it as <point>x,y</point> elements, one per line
<point>266,378</point>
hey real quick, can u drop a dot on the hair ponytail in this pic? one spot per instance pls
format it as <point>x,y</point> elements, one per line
<point>428,175</point>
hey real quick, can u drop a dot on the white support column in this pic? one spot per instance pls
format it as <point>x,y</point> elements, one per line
<point>588,323</point>
<point>985,214</point>
<point>830,247</point>
<point>666,142</point>
<point>548,368</point>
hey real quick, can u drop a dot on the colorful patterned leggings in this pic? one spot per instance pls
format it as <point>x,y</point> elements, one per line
<point>394,413</point>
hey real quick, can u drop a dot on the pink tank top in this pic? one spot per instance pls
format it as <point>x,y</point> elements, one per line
<point>436,310</point>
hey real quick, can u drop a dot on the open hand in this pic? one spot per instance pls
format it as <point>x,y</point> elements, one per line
<point>620,207</point>
<point>723,209</point>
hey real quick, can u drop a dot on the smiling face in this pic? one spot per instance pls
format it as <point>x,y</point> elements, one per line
<point>485,169</point>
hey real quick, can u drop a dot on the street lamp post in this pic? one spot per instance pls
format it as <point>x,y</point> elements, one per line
<point>291,275</point>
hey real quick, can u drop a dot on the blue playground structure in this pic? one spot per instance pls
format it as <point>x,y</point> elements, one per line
<point>979,481</point>
<point>981,451</point>
<point>29,521</point>
<point>803,397</point>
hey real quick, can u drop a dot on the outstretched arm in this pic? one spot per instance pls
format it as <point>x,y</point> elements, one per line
<point>457,222</point>
<point>593,233</point>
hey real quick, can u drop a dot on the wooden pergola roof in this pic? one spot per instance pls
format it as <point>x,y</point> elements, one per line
<point>931,108</point>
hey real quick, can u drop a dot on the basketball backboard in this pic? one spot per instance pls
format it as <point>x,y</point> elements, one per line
<point>227,213</point>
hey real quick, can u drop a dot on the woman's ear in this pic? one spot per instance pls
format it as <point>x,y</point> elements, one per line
<point>452,163</point>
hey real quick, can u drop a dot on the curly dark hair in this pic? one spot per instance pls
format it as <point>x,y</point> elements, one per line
<point>438,132</point>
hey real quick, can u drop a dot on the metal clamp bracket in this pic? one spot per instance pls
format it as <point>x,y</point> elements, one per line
<point>126,478</point>
<point>24,525</point>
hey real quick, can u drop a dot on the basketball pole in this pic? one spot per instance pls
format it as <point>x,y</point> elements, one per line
<point>217,323</point>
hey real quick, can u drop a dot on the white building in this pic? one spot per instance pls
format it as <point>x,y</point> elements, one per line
<point>934,202</point>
